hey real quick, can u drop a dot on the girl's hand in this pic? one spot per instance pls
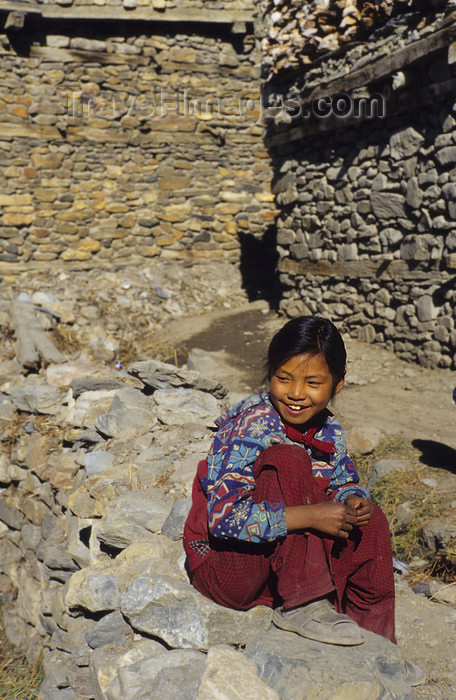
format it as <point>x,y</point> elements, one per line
<point>362,506</point>
<point>329,518</point>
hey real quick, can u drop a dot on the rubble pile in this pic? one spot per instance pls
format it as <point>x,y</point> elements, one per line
<point>96,473</point>
<point>97,462</point>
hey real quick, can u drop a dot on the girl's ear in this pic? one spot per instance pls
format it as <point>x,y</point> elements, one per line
<point>339,386</point>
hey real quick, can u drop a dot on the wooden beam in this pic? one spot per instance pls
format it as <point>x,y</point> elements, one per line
<point>358,269</point>
<point>148,14</point>
<point>47,53</point>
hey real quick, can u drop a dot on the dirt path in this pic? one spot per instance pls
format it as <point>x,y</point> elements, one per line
<point>382,391</point>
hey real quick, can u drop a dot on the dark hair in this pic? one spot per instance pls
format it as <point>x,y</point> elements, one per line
<point>309,335</point>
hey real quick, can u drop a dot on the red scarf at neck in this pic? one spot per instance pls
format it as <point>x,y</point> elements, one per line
<point>308,439</point>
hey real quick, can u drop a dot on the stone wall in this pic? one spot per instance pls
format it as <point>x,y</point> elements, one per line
<point>130,139</point>
<point>367,230</point>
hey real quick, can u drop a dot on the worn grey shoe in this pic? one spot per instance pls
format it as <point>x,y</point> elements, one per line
<point>319,621</point>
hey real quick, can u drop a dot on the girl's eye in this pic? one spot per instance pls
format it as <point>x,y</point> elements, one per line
<point>281,379</point>
<point>314,384</point>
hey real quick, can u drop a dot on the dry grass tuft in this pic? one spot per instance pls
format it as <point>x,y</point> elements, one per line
<point>65,339</point>
<point>405,485</point>
<point>19,679</point>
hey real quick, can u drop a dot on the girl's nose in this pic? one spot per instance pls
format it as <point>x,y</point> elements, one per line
<point>296,390</point>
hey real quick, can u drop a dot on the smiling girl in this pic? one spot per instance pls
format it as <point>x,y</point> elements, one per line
<point>278,517</point>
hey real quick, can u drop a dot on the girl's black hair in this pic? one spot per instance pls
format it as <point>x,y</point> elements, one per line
<point>309,335</point>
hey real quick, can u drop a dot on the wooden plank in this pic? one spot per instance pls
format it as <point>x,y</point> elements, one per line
<point>32,344</point>
<point>149,14</point>
<point>47,53</point>
<point>397,60</point>
<point>359,269</point>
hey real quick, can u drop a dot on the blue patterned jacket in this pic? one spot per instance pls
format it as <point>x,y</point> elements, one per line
<point>244,432</point>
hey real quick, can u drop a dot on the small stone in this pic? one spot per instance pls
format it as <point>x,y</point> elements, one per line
<point>432,483</point>
<point>384,466</point>
<point>388,205</point>
<point>94,593</point>
<point>438,532</point>
<point>364,439</point>
<point>124,423</point>
<point>443,592</point>
<point>87,44</point>
<point>97,462</point>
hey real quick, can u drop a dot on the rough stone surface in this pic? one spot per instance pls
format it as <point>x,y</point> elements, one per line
<point>229,673</point>
<point>132,516</point>
<point>297,668</point>
<point>180,406</point>
<point>172,610</point>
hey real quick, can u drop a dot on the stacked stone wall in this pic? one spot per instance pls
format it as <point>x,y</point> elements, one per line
<point>367,225</point>
<point>130,141</point>
<point>367,235</point>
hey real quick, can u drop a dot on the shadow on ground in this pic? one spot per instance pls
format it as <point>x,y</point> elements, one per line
<point>436,454</point>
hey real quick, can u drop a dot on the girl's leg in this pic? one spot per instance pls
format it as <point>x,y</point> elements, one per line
<point>293,571</point>
<point>363,574</point>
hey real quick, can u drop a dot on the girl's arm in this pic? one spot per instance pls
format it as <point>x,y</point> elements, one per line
<point>230,485</point>
<point>328,517</point>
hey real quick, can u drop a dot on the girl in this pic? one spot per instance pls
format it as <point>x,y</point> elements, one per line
<point>278,517</point>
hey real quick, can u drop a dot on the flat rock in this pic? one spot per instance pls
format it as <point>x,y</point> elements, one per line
<point>89,405</point>
<point>175,612</point>
<point>38,398</point>
<point>230,674</point>
<point>66,374</point>
<point>124,423</point>
<point>111,628</point>
<point>97,462</point>
<point>388,205</point>
<point>173,527</point>
<point>82,383</point>
<point>173,674</point>
<point>180,406</point>
<point>298,668</point>
<point>134,515</point>
<point>160,375</point>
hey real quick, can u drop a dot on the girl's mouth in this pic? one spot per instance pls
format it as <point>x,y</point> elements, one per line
<point>294,408</point>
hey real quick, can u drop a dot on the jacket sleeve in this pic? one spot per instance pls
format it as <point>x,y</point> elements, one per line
<point>230,485</point>
<point>344,480</point>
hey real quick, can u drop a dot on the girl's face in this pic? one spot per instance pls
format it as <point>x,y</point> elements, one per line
<point>302,387</point>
